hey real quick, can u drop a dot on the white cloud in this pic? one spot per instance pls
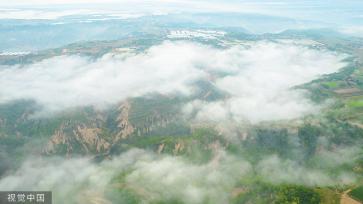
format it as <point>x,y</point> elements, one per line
<point>152,177</point>
<point>172,178</point>
<point>276,170</point>
<point>38,14</point>
<point>261,81</point>
<point>258,78</point>
<point>308,10</point>
<point>356,30</point>
<point>52,14</point>
<point>68,178</point>
<point>54,10</point>
<point>64,82</point>
<point>143,5</point>
<point>319,14</point>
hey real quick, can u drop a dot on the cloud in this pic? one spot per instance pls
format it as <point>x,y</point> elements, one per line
<point>258,77</point>
<point>158,177</point>
<point>71,81</point>
<point>356,30</point>
<point>67,178</point>
<point>172,178</point>
<point>341,12</point>
<point>38,14</point>
<point>149,6</point>
<point>62,8</point>
<point>279,171</point>
<point>152,177</point>
<point>260,81</point>
<point>53,14</point>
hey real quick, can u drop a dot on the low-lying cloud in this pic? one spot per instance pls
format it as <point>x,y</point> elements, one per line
<point>258,78</point>
<point>274,169</point>
<point>152,177</point>
<point>261,82</point>
<point>71,81</point>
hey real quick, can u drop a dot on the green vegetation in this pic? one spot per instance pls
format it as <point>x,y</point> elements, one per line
<point>355,103</point>
<point>121,195</point>
<point>357,193</point>
<point>308,136</point>
<point>256,192</point>
<point>328,196</point>
<point>331,84</point>
<point>297,195</point>
<point>187,145</point>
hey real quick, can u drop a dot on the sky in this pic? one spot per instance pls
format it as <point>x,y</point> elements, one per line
<point>343,15</point>
<point>326,10</point>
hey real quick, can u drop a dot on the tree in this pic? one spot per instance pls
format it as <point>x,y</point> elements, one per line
<point>291,194</point>
<point>308,136</point>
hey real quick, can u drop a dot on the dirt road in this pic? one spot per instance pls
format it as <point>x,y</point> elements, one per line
<point>346,199</point>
